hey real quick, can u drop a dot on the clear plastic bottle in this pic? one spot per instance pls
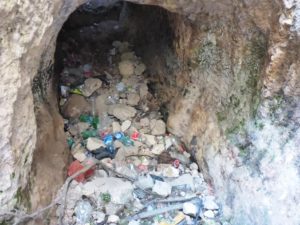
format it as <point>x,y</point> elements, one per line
<point>83,211</point>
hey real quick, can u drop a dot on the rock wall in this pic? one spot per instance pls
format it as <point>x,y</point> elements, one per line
<point>235,87</point>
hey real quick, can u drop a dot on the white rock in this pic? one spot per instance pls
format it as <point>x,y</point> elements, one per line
<point>162,188</point>
<point>90,86</point>
<point>190,209</point>
<point>98,216</point>
<point>126,68</point>
<point>94,143</point>
<point>122,112</point>
<point>116,127</point>
<point>209,214</point>
<point>120,191</point>
<point>150,139</point>
<point>144,182</point>
<point>133,99</point>
<point>111,208</point>
<point>144,122</point>
<point>209,203</point>
<point>78,153</point>
<point>194,166</point>
<point>113,219</point>
<point>158,127</point>
<point>125,125</point>
<point>101,173</point>
<point>167,170</point>
<point>185,179</point>
<point>158,149</point>
<point>139,69</point>
<point>134,222</point>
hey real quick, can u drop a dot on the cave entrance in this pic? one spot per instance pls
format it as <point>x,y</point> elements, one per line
<point>112,61</point>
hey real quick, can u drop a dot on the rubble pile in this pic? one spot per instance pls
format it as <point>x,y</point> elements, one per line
<point>114,118</point>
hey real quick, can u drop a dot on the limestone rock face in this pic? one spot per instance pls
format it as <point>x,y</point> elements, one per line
<point>238,94</point>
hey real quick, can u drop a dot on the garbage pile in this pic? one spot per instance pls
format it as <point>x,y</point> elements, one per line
<point>114,118</point>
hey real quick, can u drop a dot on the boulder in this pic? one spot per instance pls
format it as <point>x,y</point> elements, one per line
<point>133,99</point>
<point>126,68</point>
<point>158,127</point>
<point>122,112</point>
<point>162,188</point>
<point>94,143</point>
<point>75,106</point>
<point>90,86</point>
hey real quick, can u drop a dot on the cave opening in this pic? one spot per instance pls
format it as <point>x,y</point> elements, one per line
<point>114,62</point>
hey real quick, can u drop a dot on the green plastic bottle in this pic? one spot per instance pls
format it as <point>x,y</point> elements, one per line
<point>89,133</point>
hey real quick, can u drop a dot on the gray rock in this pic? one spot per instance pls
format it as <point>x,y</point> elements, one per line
<point>140,69</point>
<point>125,125</point>
<point>185,179</point>
<point>190,209</point>
<point>120,190</point>
<point>100,104</point>
<point>90,86</point>
<point>194,166</point>
<point>162,188</point>
<point>99,217</point>
<point>209,203</point>
<point>158,149</point>
<point>126,68</point>
<point>122,112</point>
<point>113,219</point>
<point>133,99</point>
<point>116,127</point>
<point>158,127</point>
<point>144,182</point>
<point>128,56</point>
<point>209,214</point>
<point>94,143</point>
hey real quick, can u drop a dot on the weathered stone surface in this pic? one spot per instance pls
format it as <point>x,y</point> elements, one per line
<point>94,143</point>
<point>75,106</point>
<point>126,68</point>
<point>158,127</point>
<point>90,86</point>
<point>133,99</point>
<point>122,112</point>
<point>162,188</point>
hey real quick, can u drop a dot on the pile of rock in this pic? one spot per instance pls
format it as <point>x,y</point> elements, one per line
<point>155,181</point>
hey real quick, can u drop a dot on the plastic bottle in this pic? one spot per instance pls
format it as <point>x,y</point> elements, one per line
<point>119,135</point>
<point>127,141</point>
<point>83,211</point>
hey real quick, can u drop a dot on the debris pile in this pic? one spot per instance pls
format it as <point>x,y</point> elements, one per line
<point>114,118</point>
